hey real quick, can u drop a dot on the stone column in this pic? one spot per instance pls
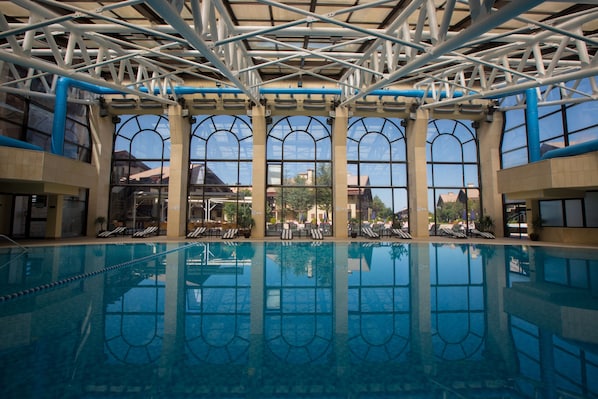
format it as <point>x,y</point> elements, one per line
<point>180,133</point>
<point>258,193</point>
<point>339,178</point>
<point>102,133</point>
<point>416,133</point>
<point>54,218</point>
<point>489,135</point>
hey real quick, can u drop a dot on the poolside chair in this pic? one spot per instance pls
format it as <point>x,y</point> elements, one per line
<point>111,233</point>
<point>369,233</point>
<point>316,234</point>
<point>198,232</point>
<point>287,234</point>
<point>401,234</point>
<point>146,232</point>
<point>230,233</point>
<point>451,233</point>
<point>483,234</point>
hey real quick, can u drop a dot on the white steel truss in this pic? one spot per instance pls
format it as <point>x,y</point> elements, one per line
<point>450,50</point>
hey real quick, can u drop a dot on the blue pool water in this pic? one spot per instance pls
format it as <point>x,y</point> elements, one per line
<point>298,319</point>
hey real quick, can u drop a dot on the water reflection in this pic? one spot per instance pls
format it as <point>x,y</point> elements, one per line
<point>300,319</point>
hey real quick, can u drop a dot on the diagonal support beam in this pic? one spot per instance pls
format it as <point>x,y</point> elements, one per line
<point>171,16</point>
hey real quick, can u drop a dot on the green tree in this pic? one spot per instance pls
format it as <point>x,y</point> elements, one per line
<point>296,197</point>
<point>382,211</point>
<point>324,190</point>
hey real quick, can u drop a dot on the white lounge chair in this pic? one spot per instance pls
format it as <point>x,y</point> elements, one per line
<point>483,234</point>
<point>230,233</point>
<point>287,234</point>
<point>369,233</point>
<point>316,234</point>
<point>401,234</point>
<point>451,233</point>
<point>146,232</point>
<point>110,233</point>
<point>198,232</point>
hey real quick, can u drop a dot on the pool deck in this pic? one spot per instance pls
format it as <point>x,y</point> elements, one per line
<point>164,239</point>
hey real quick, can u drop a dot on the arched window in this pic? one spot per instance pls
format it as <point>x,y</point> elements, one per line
<point>140,171</point>
<point>299,176</point>
<point>453,175</point>
<point>298,319</point>
<point>377,173</point>
<point>458,303</point>
<point>220,171</point>
<point>379,303</point>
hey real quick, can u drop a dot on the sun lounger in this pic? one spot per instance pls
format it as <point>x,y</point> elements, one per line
<point>198,232</point>
<point>316,234</point>
<point>230,233</point>
<point>452,233</point>
<point>111,233</point>
<point>287,234</point>
<point>369,233</point>
<point>401,234</point>
<point>483,234</point>
<point>146,232</point>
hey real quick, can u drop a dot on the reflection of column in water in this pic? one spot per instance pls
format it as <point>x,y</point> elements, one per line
<point>341,312</point>
<point>256,338</point>
<point>421,311</point>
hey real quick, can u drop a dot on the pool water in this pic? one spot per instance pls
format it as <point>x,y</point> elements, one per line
<point>298,319</point>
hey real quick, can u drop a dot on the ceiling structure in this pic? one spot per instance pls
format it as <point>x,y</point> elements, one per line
<point>445,51</point>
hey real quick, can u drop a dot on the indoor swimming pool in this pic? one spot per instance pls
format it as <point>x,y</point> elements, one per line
<point>227,319</point>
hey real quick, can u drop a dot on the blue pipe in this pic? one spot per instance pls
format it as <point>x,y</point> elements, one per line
<point>10,142</point>
<point>64,83</point>
<point>576,149</point>
<point>532,124</point>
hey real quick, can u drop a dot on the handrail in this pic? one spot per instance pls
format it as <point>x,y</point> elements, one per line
<point>14,242</point>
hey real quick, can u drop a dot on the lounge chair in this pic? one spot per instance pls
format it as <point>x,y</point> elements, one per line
<point>111,233</point>
<point>198,232</point>
<point>369,233</point>
<point>401,234</point>
<point>230,233</point>
<point>483,234</point>
<point>316,234</point>
<point>146,232</point>
<point>287,234</point>
<point>451,233</point>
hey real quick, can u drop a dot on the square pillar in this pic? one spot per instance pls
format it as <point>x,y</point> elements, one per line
<point>180,137</point>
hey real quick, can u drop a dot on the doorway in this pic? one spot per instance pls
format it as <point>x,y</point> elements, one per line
<point>30,214</point>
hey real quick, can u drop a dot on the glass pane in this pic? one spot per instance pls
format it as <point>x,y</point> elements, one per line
<point>514,118</point>
<point>399,151</point>
<point>381,210</point>
<point>374,147</point>
<point>274,149</point>
<point>514,139</point>
<point>581,116</point>
<point>222,172</point>
<point>245,173</point>
<point>275,174</point>
<point>470,152</point>
<point>446,148</point>
<point>377,173</point>
<point>551,126</point>
<point>591,207</point>
<point>448,175</point>
<point>198,149</point>
<point>323,151</point>
<point>352,150</point>
<point>298,173</point>
<point>551,213</point>
<point>223,145</point>
<point>299,146</point>
<point>399,175</point>
<point>470,175</point>
<point>147,144</point>
<point>573,212</point>
<point>514,158</point>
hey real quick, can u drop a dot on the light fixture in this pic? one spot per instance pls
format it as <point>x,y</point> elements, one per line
<point>103,107</point>
<point>413,111</point>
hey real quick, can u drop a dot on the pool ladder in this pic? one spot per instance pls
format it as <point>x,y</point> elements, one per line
<point>25,250</point>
